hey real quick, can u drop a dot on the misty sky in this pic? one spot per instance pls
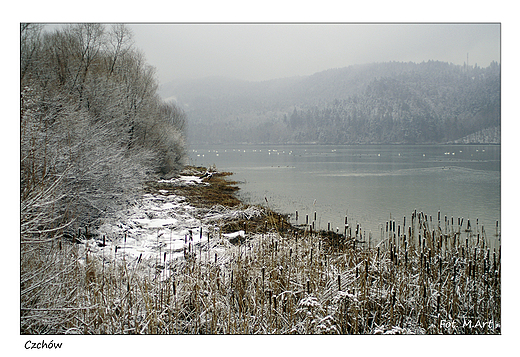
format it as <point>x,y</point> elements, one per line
<point>265,51</point>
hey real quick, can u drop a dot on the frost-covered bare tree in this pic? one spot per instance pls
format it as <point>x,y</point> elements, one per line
<point>93,127</point>
<point>93,130</point>
<point>29,46</point>
<point>162,133</point>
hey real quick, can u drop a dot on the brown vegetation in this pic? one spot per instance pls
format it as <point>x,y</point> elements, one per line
<point>432,278</point>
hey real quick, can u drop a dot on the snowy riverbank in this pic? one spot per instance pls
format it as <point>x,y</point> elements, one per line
<point>164,226</point>
<point>175,263</point>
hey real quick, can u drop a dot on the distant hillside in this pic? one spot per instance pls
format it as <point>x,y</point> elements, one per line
<point>395,102</point>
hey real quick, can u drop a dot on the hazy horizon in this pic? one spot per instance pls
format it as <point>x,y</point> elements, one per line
<point>259,52</point>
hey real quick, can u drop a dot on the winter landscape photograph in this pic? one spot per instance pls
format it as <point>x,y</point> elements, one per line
<point>259,179</point>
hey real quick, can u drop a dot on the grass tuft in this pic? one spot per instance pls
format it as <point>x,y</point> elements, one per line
<point>426,279</point>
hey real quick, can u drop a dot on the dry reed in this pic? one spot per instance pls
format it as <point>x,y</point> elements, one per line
<point>437,279</point>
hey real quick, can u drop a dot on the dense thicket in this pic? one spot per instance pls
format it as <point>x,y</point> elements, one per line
<point>394,102</point>
<point>92,126</point>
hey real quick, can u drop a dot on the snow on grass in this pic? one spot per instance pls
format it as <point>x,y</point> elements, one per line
<point>161,228</point>
<point>185,181</point>
<point>234,234</point>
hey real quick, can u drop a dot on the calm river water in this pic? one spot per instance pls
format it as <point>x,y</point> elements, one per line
<point>368,183</point>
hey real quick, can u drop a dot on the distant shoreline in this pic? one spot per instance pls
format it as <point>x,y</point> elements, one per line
<point>345,144</point>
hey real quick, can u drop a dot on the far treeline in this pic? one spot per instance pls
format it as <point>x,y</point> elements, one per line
<point>92,126</point>
<point>387,103</point>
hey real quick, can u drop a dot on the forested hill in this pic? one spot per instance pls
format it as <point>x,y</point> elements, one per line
<point>394,102</point>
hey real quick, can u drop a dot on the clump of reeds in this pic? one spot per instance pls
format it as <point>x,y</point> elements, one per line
<point>416,280</point>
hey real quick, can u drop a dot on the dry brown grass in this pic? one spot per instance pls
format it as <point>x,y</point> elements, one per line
<point>220,190</point>
<point>435,279</point>
<point>273,284</point>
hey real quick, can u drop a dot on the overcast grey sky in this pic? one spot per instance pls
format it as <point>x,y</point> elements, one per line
<point>265,51</point>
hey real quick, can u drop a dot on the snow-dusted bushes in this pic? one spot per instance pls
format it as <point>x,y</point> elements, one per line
<point>90,119</point>
<point>92,130</point>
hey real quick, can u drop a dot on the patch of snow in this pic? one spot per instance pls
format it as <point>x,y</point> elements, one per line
<point>160,229</point>
<point>309,302</point>
<point>234,234</point>
<point>185,181</point>
<point>156,223</point>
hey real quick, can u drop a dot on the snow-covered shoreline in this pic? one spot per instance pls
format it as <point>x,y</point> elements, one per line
<point>169,265</point>
<point>162,227</point>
